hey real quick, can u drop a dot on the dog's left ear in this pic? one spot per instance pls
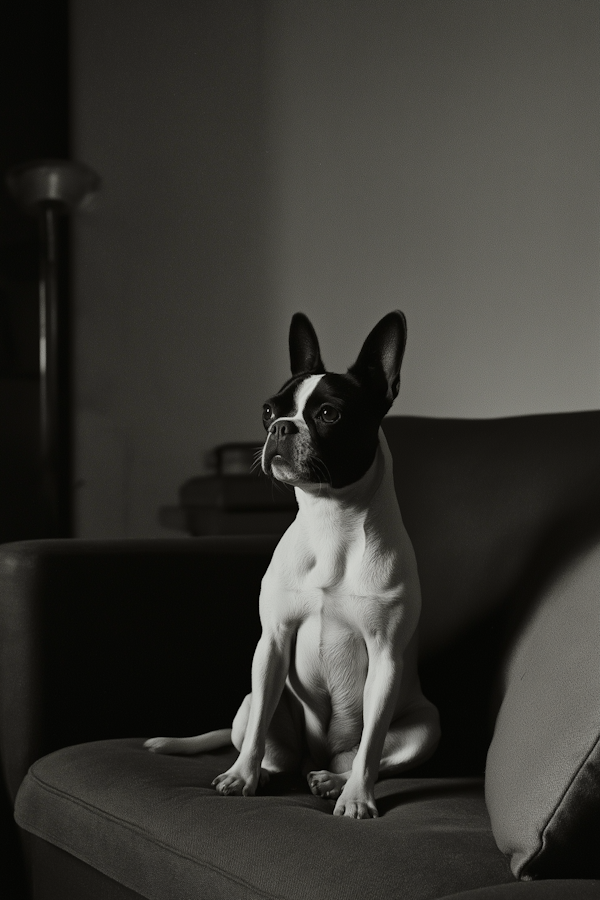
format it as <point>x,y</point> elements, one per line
<point>379,361</point>
<point>305,355</point>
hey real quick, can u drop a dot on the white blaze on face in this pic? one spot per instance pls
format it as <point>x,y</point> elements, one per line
<point>303,392</point>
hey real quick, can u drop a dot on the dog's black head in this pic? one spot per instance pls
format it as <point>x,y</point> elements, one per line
<point>322,428</point>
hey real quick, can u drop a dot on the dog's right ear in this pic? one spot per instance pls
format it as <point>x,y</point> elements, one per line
<point>379,361</point>
<point>305,355</point>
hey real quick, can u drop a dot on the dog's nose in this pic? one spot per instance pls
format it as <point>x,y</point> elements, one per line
<point>283,427</point>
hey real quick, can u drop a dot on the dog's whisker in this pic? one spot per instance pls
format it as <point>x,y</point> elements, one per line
<point>257,462</point>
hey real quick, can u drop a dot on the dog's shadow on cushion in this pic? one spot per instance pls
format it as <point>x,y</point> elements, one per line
<point>390,794</point>
<point>398,792</point>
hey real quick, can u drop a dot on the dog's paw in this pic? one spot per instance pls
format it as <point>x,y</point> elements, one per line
<point>356,802</point>
<point>326,784</point>
<point>240,781</point>
<point>230,784</point>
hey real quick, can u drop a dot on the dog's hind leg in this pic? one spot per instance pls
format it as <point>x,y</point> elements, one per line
<point>202,743</point>
<point>284,745</point>
<point>329,783</point>
<point>187,746</point>
<point>411,740</point>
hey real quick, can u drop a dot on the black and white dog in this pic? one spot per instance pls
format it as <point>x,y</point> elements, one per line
<point>335,687</point>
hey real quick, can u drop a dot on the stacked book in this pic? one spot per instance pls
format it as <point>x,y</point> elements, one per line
<point>233,500</point>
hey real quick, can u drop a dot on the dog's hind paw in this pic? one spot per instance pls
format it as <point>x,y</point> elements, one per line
<point>326,784</point>
<point>160,745</point>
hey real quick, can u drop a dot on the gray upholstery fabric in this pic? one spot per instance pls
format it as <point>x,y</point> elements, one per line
<point>154,824</point>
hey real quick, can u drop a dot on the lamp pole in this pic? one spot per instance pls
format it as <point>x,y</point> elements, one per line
<point>49,189</point>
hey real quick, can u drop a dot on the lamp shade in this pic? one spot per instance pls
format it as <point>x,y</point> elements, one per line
<point>61,182</point>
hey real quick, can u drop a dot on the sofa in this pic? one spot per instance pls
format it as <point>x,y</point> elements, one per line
<point>106,643</point>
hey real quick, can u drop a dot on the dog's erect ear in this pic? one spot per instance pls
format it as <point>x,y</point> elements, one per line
<point>305,355</point>
<point>379,361</point>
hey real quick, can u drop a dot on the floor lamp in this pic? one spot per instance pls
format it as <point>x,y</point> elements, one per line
<point>48,189</point>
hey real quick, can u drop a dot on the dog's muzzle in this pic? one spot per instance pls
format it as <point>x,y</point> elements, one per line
<point>284,451</point>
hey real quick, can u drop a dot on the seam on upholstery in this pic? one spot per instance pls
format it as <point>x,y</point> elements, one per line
<point>554,812</point>
<point>140,832</point>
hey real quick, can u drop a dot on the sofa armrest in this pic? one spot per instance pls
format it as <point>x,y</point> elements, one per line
<point>102,639</point>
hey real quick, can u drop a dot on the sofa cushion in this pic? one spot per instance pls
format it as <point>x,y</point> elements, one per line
<point>543,767</point>
<point>151,821</point>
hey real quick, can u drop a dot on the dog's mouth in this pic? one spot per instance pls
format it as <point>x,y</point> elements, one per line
<point>281,470</point>
<point>281,463</point>
<point>291,460</point>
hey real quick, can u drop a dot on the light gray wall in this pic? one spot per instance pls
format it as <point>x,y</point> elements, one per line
<point>339,157</point>
<point>443,157</point>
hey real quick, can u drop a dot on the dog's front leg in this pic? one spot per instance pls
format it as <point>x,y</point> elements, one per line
<point>382,686</point>
<point>270,667</point>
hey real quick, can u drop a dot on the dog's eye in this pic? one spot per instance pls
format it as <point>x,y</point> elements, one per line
<point>267,412</point>
<point>329,414</point>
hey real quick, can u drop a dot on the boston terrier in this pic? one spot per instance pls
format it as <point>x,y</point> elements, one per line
<point>335,688</point>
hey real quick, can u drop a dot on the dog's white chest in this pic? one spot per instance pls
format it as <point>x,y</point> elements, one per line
<point>348,561</point>
<point>329,566</point>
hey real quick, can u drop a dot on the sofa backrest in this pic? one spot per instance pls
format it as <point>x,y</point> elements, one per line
<point>494,507</point>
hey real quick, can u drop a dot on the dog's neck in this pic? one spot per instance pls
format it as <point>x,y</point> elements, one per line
<point>337,506</point>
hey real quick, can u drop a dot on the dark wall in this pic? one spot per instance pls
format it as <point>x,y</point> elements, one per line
<point>34,105</point>
<point>34,123</point>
